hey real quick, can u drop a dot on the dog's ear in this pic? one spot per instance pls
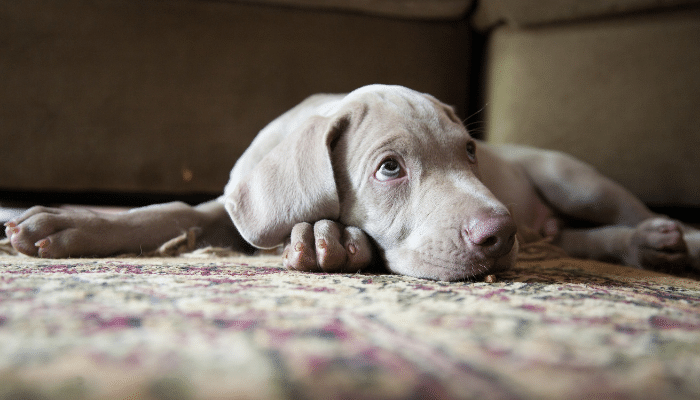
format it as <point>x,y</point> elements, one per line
<point>292,183</point>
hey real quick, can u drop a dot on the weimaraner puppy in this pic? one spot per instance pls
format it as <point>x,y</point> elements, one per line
<point>386,176</point>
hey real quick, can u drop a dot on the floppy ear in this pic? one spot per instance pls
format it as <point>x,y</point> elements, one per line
<point>293,183</point>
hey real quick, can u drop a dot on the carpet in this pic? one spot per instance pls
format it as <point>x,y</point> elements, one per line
<point>212,326</point>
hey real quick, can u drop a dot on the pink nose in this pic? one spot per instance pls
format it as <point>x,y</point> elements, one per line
<point>493,234</point>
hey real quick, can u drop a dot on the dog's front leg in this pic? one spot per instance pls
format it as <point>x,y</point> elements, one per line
<point>59,233</point>
<point>327,246</point>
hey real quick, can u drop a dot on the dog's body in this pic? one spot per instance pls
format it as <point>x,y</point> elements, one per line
<point>390,175</point>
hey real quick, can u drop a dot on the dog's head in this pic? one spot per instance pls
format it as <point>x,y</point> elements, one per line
<point>394,162</point>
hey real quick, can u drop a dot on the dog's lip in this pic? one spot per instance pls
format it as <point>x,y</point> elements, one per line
<point>453,271</point>
<point>463,266</point>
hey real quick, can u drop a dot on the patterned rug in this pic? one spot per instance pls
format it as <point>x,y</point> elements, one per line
<point>207,326</point>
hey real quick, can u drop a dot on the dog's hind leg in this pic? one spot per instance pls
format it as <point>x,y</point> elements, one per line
<point>576,190</point>
<point>624,229</point>
<point>657,243</point>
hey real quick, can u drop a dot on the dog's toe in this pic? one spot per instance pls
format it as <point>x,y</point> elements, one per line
<point>661,234</point>
<point>29,236</point>
<point>658,244</point>
<point>358,248</point>
<point>300,257</point>
<point>300,253</point>
<point>330,254</point>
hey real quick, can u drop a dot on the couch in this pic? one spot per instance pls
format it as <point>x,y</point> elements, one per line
<point>161,97</point>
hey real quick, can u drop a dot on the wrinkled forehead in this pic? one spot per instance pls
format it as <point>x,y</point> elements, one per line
<point>391,110</point>
<point>396,101</point>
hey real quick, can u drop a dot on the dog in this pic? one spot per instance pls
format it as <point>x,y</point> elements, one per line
<point>386,176</point>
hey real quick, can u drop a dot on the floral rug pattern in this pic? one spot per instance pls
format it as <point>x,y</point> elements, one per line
<point>245,328</point>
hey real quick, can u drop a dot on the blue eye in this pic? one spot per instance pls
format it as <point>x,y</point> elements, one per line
<point>390,169</point>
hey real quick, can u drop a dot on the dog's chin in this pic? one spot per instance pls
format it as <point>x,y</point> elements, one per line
<point>462,268</point>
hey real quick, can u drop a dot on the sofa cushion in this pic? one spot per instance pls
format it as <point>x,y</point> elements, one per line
<point>620,94</point>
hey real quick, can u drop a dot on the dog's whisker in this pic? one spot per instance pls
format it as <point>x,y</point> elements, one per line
<point>475,113</point>
<point>469,125</point>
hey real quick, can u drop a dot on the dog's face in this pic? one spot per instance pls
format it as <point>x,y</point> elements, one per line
<point>407,174</point>
<point>393,162</point>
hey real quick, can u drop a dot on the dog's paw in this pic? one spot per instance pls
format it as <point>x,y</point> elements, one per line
<point>327,246</point>
<point>658,244</point>
<point>54,232</point>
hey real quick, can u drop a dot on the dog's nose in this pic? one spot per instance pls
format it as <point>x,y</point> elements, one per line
<point>494,235</point>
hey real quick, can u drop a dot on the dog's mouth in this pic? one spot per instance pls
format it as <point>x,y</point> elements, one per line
<point>455,267</point>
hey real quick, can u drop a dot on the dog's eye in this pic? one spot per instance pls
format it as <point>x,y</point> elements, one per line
<point>390,169</point>
<point>471,151</point>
